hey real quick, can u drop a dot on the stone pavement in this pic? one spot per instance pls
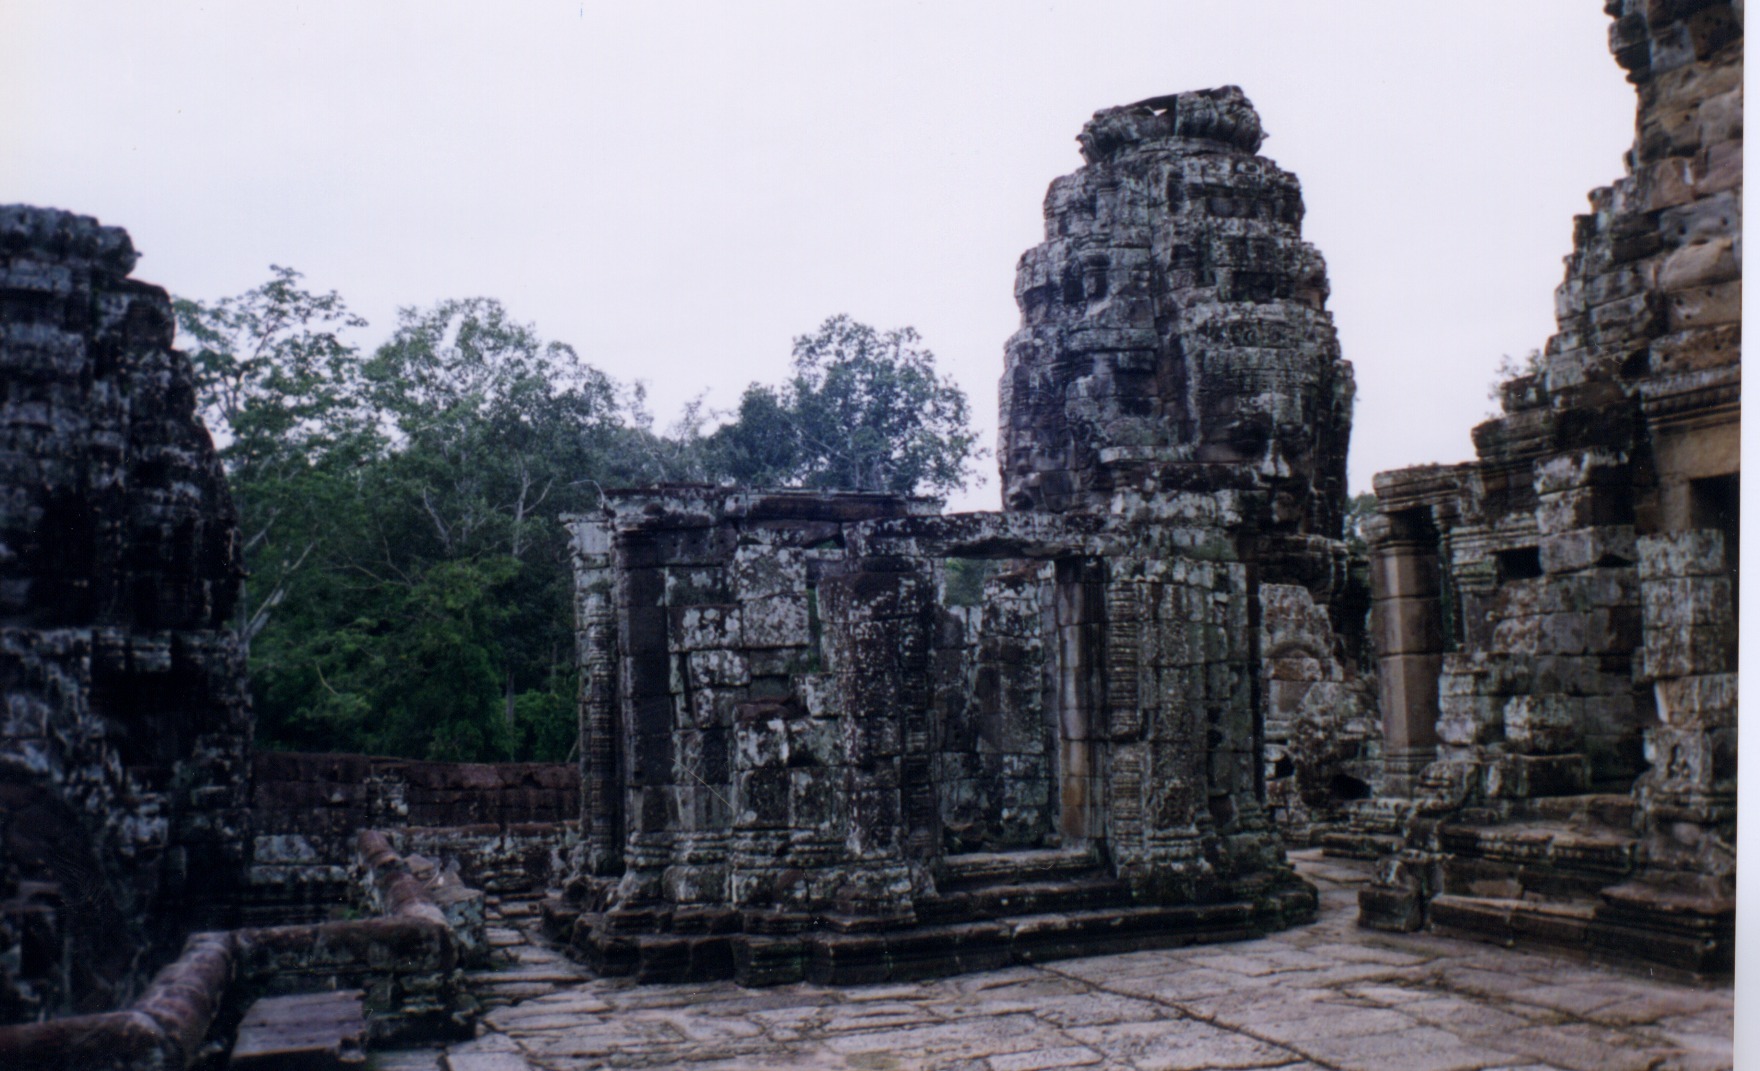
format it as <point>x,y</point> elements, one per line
<point>525,965</point>
<point>1325,996</point>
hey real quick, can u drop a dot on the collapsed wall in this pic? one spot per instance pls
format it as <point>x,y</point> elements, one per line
<point>124,748</point>
<point>1556,619</point>
<point>502,827</point>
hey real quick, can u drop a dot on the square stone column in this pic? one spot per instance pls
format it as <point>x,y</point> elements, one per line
<point>1406,580</point>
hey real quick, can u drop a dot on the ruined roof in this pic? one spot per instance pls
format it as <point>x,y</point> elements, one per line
<point>1222,115</point>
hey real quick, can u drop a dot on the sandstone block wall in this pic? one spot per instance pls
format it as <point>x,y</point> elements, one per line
<point>822,770</point>
<point>499,824</point>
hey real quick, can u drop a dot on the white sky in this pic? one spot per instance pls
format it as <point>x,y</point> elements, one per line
<point>679,189</point>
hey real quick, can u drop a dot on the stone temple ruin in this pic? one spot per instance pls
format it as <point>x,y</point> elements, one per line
<point>803,763</point>
<point>1556,620</point>
<point>127,732</point>
<point>846,738</point>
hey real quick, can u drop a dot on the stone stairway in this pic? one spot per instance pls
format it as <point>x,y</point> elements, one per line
<point>994,885</point>
<point>1556,848</point>
<point>1560,873</point>
<point>523,964</point>
<point>991,910</point>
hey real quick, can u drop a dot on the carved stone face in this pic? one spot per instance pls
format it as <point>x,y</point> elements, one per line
<point>1288,472</point>
<point>1174,334</point>
<point>1268,441</point>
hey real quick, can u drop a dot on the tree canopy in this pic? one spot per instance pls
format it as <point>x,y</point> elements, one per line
<point>864,410</point>
<point>409,588</point>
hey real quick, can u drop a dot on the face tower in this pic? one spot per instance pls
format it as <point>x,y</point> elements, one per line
<point>1174,341</point>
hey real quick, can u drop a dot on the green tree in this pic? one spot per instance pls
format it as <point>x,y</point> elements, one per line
<point>498,430</point>
<point>410,585</point>
<point>402,518</point>
<point>864,410</point>
<point>280,391</point>
<point>1358,511</point>
<point>498,433</point>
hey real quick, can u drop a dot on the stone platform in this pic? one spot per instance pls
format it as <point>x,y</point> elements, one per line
<point>1330,995</point>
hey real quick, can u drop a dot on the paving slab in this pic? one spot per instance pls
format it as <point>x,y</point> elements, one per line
<point>302,1032</point>
<point>1329,995</point>
<point>486,1061</point>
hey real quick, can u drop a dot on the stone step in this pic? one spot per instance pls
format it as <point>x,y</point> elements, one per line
<point>515,909</point>
<point>1346,844</point>
<point>872,950</point>
<point>1559,923</point>
<point>564,976</point>
<point>408,1059</point>
<point>1523,859</point>
<point>558,918</point>
<point>1692,935</point>
<point>531,956</point>
<point>927,951</point>
<point>503,937</point>
<point>486,1061</point>
<point>1017,867</point>
<point>303,1032</point>
<point>1008,899</point>
<point>1608,810</point>
<point>504,996</point>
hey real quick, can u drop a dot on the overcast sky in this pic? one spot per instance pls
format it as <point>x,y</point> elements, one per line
<point>679,189</point>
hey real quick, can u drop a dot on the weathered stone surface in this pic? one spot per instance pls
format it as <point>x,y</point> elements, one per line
<point>1174,335</point>
<point>1087,726</point>
<point>1175,364</point>
<point>1327,995</point>
<point>310,1032</point>
<point>501,827</point>
<point>1585,571</point>
<point>125,737</point>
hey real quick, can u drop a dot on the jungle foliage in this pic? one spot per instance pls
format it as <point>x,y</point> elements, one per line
<point>409,586</point>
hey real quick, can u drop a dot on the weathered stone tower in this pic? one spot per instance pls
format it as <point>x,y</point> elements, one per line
<point>1176,365</point>
<point>124,752</point>
<point>1174,351</point>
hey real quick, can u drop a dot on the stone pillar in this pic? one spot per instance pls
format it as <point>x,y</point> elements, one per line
<point>1173,774</point>
<point>877,631</point>
<point>1406,578</point>
<point>596,651</point>
<point>1078,696</point>
<point>1689,656</point>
